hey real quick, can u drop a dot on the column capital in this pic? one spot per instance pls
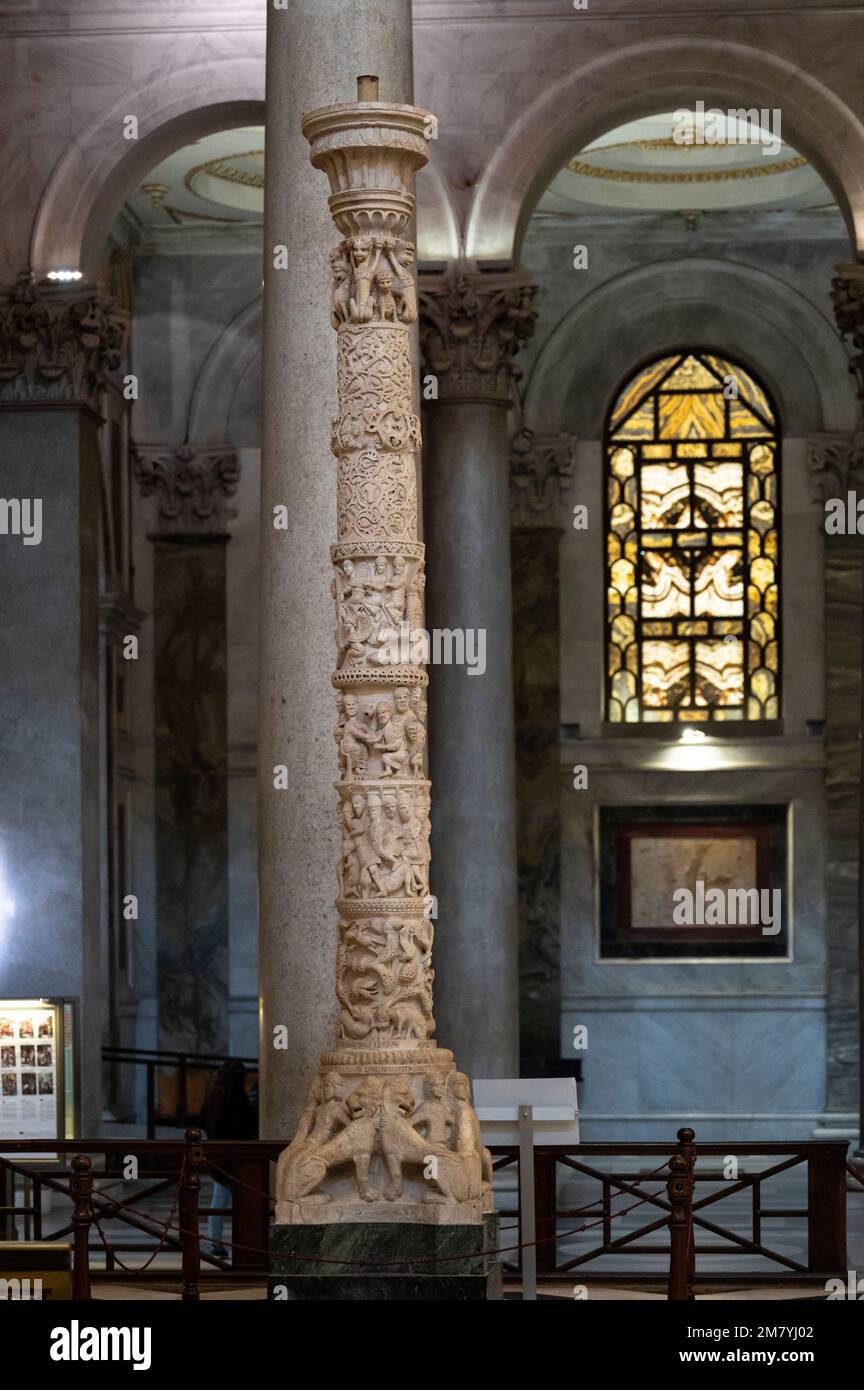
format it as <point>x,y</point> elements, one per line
<point>473,323</point>
<point>847,294</point>
<point>836,464</point>
<point>541,469</point>
<point>58,344</point>
<point>191,482</point>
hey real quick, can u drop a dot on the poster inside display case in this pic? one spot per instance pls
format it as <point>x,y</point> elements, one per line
<point>37,1069</point>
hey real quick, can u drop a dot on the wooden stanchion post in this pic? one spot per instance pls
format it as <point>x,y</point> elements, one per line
<point>190,1186</point>
<point>679,1189</point>
<point>687,1148</point>
<point>81,1190</point>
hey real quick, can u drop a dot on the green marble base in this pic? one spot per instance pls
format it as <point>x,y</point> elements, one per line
<point>441,1262</point>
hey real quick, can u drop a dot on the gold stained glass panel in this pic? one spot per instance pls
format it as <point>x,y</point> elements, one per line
<point>693,545</point>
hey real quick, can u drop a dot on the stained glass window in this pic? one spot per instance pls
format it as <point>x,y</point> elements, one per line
<point>693,554</point>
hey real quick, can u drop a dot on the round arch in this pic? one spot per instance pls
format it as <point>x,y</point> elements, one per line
<point>644,79</point>
<point>101,168</point>
<point>739,310</point>
<point>222,374</point>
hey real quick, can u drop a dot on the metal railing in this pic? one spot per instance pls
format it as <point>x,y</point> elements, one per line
<point>685,1213</point>
<point>668,1187</point>
<point>176,1082</point>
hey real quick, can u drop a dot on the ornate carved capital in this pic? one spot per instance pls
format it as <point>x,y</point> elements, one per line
<point>58,344</point>
<point>191,485</point>
<point>847,293</point>
<point>837,464</point>
<point>541,469</point>
<point>472,325</point>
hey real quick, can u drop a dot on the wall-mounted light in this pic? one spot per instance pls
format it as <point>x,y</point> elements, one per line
<point>64,277</point>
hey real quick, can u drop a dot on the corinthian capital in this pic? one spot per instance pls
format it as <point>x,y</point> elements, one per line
<point>541,469</point>
<point>847,292</point>
<point>836,463</point>
<point>191,485</point>
<point>58,344</point>
<point>472,325</point>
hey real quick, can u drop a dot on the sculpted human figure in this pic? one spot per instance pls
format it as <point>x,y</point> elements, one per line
<point>357,620</point>
<point>418,704</point>
<point>340,294</point>
<point>364,259</point>
<point>356,738</point>
<point>396,867</point>
<point>401,256</point>
<point>323,1115</point>
<point>413,850</point>
<point>395,603</point>
<point>363,865</point>
<point>401,1144</point>
<point>390,741</point>
<point>434,1115</point>
<point>415,737</point>
<point>414,601</point>
<point>386,303</point>
<point>305,1169</point>
<point>467,1136</point>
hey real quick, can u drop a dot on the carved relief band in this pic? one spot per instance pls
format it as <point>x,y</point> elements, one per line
<point>388,1133</point>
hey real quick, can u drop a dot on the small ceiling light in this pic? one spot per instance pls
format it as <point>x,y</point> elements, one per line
<point>693,736</point>
<point>65,276</point>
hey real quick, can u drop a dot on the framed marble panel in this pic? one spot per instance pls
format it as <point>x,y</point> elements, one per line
<point>693,882</point>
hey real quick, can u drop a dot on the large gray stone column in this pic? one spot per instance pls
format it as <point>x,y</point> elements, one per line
<point>837,462</point>
<point>847,292</point>
<point>541,470</point>
<point>58,350</point>
<point>315,50</point>
<point>472,326</point>
<point>190,698</point>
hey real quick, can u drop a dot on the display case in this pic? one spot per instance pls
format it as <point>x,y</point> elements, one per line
<point>38,1066</point>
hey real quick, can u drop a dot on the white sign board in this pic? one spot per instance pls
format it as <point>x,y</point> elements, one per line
<point>554,1101</point>
<point>29,1071</point>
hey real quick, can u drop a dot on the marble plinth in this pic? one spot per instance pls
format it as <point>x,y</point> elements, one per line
<point>308,1212</point>
<point>449,1262</point>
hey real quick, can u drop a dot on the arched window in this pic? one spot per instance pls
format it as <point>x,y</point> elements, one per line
<point>693,554</point>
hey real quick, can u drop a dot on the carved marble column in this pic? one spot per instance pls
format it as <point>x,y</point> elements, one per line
<point>59,352</point>
<point>541,471</point>
<point>315,49</point>
<point>472,325</point>
<point>388,1134</point>
<point>190,487</point>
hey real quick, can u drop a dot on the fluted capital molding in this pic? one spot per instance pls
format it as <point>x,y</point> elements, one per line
<point>473,324</point>
<point>847,293</point>
<point>191,484</point>
<point>836,464</point>
<point>58,344</point>
<point>541,470</point>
